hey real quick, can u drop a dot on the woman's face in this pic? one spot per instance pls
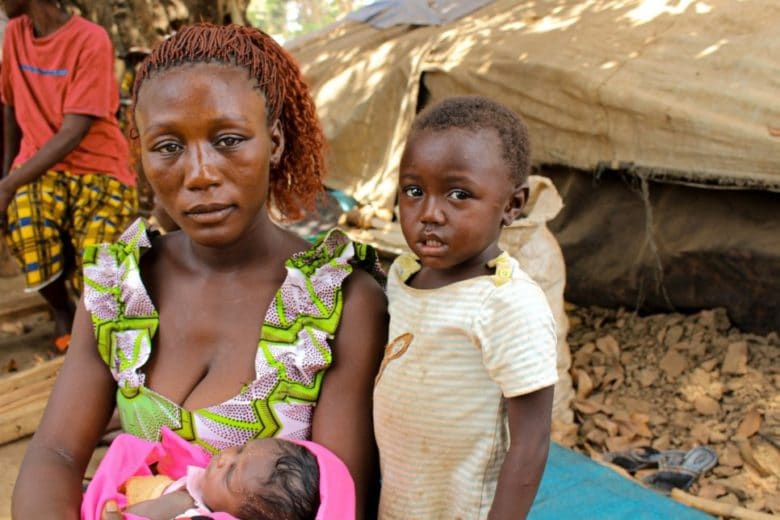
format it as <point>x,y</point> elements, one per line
<point>207,150</point>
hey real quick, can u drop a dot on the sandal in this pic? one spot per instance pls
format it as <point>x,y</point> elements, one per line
<point>634,459</point>
<point>694,463</point>
<point>61,343</point>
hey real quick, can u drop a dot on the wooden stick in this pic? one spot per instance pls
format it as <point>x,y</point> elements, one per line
<point>45,370</point>
<point>24,395</point>
<point>23,421</point>
<point>718,508</point>
<point>24,305</point>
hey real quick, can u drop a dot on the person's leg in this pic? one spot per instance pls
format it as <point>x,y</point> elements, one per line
<point>34,236</point>
<point>63,309</point>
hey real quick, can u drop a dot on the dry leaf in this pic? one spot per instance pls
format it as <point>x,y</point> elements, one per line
<point>749,425</point>
<point>586,406</point>
<point>584,383</point>
<point>596,436</point>
<point>564,433</point>
<point>746,451</point>
<point>605,424</point>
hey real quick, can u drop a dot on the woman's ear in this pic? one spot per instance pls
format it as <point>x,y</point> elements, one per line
<point>515,204</point>
<point>277,143</point>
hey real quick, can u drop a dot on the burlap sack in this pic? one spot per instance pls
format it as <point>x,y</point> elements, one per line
<point>538,252</point>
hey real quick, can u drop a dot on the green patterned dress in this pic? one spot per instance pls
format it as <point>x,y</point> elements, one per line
<point>292,355</point>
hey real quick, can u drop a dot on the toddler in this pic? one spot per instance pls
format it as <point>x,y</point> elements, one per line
<point>267,478</point>
<point>463,397</point>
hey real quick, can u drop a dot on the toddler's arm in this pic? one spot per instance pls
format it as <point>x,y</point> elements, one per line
<point>529,431</point>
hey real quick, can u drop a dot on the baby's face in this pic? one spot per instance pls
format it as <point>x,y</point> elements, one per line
<point>237,473</point>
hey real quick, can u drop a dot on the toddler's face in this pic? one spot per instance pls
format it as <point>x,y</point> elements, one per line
<point>237,473</point>
<point>455,193</point>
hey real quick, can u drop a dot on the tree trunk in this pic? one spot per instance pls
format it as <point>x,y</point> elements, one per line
<point>142,23</point>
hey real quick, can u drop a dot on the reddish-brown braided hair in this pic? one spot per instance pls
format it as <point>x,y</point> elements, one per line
<point>297,179</point>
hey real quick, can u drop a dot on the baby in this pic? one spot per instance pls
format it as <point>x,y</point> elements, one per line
<point>268,478</point>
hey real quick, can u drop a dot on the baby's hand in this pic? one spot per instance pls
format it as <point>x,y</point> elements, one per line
<point>111,511</point>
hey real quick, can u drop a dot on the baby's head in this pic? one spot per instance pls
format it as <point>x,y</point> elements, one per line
<point>463,175</point>
<point>295,176</point>
<point>264,479</point>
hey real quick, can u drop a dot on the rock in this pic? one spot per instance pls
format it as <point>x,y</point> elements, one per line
<point>701,433</point>
<point>648,376</point>
<point>730,457</point>
<point>735,361</point>
<point>673,364</point>
<point>709,364</point>
<point>609,346</point>
<point>673,335</point>
<point>711,491</point>
<point>729,498</point>
<point>706,405</point>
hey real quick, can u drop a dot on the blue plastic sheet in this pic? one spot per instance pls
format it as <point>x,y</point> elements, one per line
<point>573,486</point>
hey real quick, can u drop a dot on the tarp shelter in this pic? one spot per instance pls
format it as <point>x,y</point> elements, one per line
<point>683,90</point>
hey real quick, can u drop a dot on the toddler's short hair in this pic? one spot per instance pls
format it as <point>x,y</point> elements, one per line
<point>478,113</point>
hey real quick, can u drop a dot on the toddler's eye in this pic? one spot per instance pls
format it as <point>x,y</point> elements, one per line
<point>413,191</point>
<point>459,195</point>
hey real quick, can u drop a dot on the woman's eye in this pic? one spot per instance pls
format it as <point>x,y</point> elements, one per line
<point>413,191</point>
<point>229,141</point>
<point>459,195</point>
<point>167,147</point>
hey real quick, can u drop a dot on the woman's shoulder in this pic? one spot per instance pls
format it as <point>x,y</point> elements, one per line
<point>336,250</point>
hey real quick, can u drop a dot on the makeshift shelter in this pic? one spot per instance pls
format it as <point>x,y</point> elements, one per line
<point>677,91</point>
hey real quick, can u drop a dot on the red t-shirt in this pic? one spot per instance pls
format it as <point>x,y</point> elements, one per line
<point>70,71</point>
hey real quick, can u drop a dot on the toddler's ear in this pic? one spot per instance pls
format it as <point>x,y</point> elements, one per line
<point>515,204</point>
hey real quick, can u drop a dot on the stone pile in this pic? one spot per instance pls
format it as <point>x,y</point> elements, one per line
<point>673,381</point>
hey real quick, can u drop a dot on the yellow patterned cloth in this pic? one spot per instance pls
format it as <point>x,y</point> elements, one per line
<point>52,219</point>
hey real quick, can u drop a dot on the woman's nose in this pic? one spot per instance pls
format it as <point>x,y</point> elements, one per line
<point>202,171</point>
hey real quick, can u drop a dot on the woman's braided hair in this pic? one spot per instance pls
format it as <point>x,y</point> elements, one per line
<point>297,179</point>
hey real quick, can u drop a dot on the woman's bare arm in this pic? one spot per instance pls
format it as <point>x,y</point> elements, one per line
<point>343,418</point>
<point>49,483</point>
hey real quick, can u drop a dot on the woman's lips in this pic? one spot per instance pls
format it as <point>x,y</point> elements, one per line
<point>209,213</point>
